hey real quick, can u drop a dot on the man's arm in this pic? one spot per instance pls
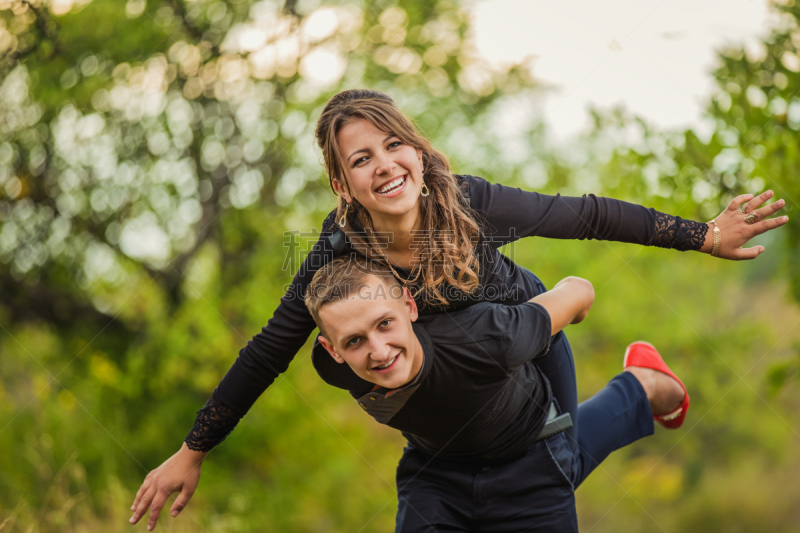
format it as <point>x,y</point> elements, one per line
<point>568,302</point>
<point>528,329</point>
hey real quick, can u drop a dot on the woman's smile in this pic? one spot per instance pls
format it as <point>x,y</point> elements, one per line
<point>393,187</point>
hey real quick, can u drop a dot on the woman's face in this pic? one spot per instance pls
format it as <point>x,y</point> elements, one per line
<point>383,173</point>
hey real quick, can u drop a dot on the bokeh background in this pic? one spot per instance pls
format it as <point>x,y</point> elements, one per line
<point>159,184</point>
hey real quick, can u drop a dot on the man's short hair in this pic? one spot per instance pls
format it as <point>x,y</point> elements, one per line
<point>340,279</point>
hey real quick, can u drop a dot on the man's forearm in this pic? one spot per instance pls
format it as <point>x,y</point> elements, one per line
<point>568,302</point>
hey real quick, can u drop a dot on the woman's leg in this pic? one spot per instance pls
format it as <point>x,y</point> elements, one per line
<point>614,417</point>
<point>559,367</point>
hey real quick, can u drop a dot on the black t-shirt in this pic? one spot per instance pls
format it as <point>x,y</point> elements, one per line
<point>478,394</point>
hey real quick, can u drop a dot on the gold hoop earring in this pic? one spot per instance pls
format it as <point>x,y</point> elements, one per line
<point>424,191</point>
<point>343,220</point>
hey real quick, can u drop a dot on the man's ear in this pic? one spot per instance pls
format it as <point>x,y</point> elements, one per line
<point>331,350</point>
<point>411,305</point>
<point>341,191</point>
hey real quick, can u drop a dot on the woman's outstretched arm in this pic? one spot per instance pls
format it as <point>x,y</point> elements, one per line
<point>259,363</point>
<point>510,213</point>
<point>269,352</point>
<point>265,356</point>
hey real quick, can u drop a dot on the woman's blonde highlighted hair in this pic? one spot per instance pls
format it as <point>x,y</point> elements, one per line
<point>450,233</point>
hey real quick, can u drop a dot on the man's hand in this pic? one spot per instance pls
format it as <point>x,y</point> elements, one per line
<point>568,302</point>
<point>179,473</point>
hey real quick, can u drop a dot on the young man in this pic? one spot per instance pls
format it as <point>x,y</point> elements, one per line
<point>486,444</point>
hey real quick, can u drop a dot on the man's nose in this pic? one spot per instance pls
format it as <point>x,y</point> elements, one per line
<point>379,349</point>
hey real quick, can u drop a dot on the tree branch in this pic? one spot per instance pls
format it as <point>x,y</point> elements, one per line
<point>194,31</point>
<point>43,30</point>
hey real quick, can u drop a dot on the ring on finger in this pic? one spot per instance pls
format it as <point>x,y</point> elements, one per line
<point>751,218</point>
<point>743,207</point>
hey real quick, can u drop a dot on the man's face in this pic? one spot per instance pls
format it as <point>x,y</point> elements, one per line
<point>371,331</point>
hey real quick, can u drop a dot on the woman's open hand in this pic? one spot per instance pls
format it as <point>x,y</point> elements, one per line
<point>735,231</point>
<point>179,473</point>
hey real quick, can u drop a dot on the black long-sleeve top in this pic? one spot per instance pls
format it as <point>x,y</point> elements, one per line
<point>504,213</point>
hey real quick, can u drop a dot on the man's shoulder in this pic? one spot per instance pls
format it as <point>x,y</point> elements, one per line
<point>475,323</point>
<point>479,321</point>
<point>471,341</point>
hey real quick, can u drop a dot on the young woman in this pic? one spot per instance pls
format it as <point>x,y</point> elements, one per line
<point>399,203</point>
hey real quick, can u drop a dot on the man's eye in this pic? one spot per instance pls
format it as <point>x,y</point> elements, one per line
<point>385,323</point>
<point>353,341</point>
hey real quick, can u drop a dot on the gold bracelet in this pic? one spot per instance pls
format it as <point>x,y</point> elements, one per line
<point>717,239</point>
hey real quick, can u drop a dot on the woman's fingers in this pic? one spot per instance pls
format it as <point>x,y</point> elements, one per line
<point>155,508</point>
<point>759,228</point>
<point>144,503</point>
<point>770,223</point>
<point>180,472</point>
<point>749,253</point>
<point>757,201</point>
<point>181,501</point>
<point>766,211</point>
<point>742,198</point>
<point>739,226</point>
<point>141,492</point>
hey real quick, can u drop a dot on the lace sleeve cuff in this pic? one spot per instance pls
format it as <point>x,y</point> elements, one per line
<point>214,422</point>
<point>678,233</point>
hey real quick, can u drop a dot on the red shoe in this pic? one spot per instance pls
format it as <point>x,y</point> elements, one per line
<point>643,354</point>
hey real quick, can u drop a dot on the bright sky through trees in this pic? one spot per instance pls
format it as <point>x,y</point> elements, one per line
<point>651,55</point>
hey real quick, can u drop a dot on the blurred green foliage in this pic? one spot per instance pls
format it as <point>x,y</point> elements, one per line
<point>156,159</point>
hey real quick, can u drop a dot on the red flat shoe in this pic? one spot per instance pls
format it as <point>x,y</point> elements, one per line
<point>643,354</point>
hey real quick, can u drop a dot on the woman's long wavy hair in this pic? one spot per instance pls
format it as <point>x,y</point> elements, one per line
<point>450,232</point>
